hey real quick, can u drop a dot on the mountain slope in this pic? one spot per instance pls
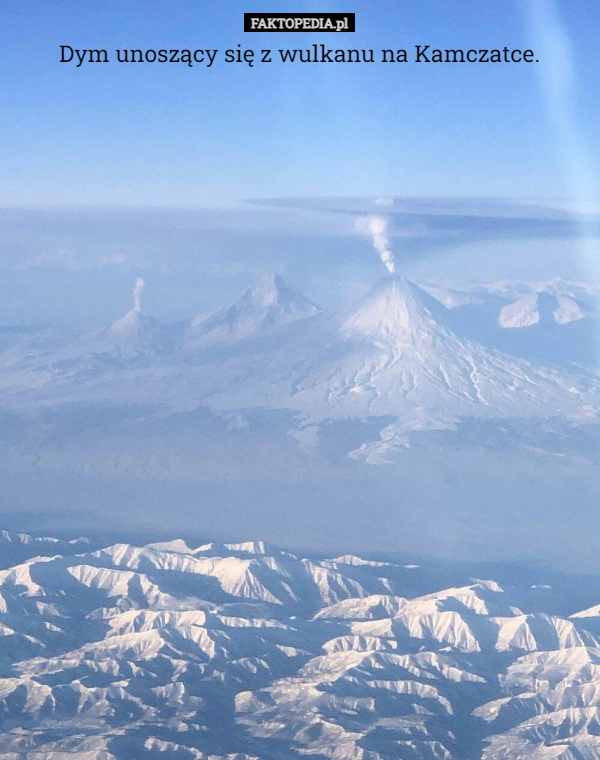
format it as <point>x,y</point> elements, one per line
<point>137,335</point>
<point>248,651</point>
<point>552,301</point>
<point>393,353</point>
<point>553,323</point>
<point>391,360</point>
<point>271,303</point>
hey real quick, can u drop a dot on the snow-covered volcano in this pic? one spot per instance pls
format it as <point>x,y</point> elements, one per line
<point>271,303</point>
<point>391,358</point>
<point>137,334</point>
<point>395,311</point>
<point>393,353</point>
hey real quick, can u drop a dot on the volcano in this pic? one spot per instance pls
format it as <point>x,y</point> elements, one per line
<point>392,353</point>
<point>270,304</point>
<point>391,358</point>
<point>137,334</point>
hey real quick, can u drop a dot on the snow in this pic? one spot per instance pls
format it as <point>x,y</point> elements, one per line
<point>266,306</point>
<point>396,358</point>
<point>189,672</point>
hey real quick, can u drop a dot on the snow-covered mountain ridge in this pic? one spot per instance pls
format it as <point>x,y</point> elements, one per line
<point>271,303</point>
<point>249,651</point>
<point>398,354</point>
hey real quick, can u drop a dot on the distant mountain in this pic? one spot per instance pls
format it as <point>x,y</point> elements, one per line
<point>397,358</point>
<point>271,303</point>
<point>132,338</point>
<point>16,548</point>
<point>554,322</point>
<point>393,352</point>
<point>241,651</point>
<point>135,335</point>
<point>548,302</point>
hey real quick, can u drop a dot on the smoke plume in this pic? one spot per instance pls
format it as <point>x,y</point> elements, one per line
<point>138,289</point>
<point>378,228</point>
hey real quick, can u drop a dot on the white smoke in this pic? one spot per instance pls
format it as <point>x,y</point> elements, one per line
<point>138,289</point>
<point>377,226</point>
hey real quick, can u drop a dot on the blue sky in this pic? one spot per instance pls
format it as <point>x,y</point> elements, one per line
<point>136,137</point>
<point>170,135</point>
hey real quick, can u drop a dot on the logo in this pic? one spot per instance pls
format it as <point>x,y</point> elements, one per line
<point>299,22</point>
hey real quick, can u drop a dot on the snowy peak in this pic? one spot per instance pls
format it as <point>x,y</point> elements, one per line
<point>137,334</point>
<point>551,302</point>
<point>133,651</point>
<point>540,308</point>
<point>273,293</point>
<point>271,303</point>
<point>131,325</point>
<point>394,311</point>
<point>396,353</point>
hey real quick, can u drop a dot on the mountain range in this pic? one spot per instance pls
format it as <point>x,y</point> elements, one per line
<point>278,419</point>
<point>246,650</point>
<point>397,353</point>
